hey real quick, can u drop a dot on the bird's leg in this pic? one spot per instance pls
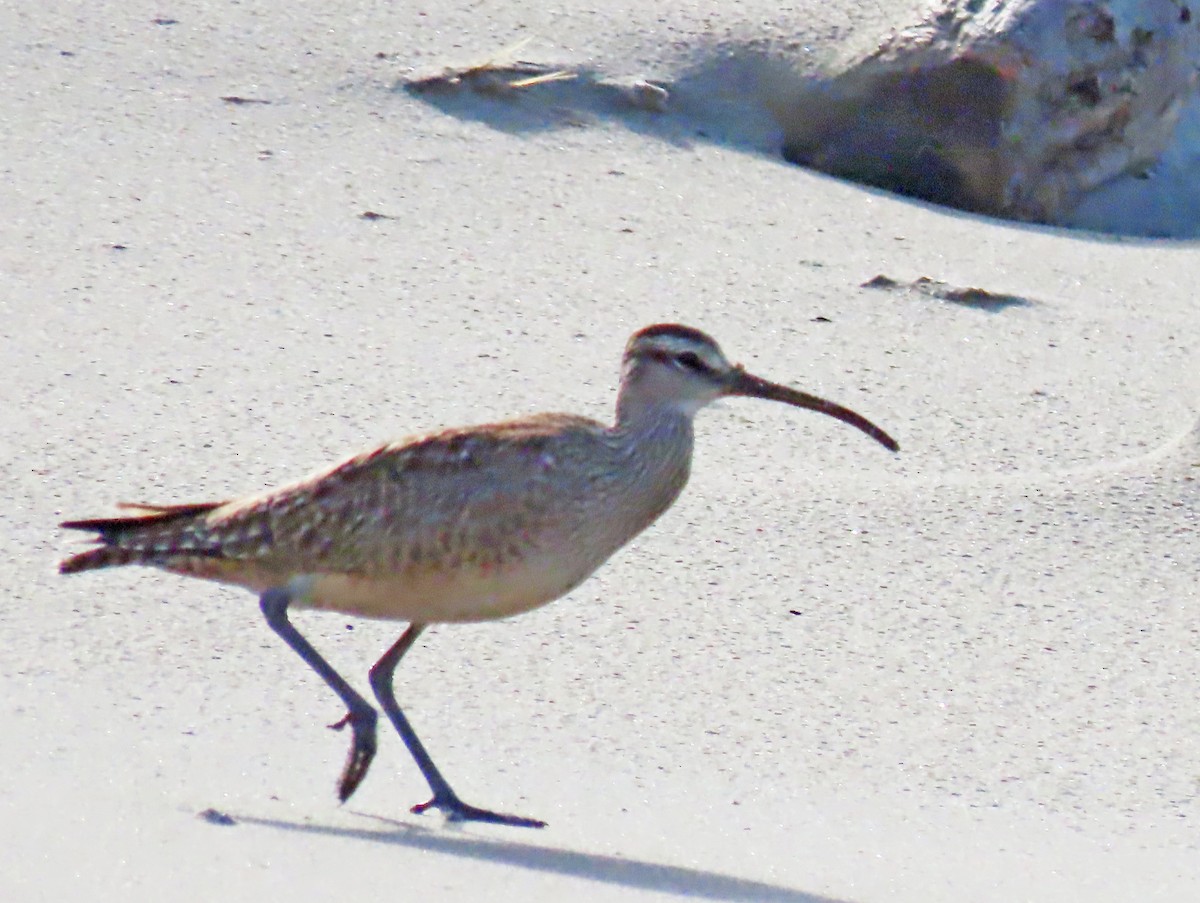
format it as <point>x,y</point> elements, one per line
<point>361,716</point>
<point>444,797</point>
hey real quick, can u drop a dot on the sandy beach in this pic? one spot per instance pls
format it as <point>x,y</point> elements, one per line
<point>234,249</point>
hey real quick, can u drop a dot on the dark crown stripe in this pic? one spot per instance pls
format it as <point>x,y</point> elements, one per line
<point>675,331</point>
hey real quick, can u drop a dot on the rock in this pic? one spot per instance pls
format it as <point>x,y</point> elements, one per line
<point>1015,109</point>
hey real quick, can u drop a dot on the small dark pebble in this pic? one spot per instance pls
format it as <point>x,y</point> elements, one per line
<point>880,281</point>
<point>213,817</point>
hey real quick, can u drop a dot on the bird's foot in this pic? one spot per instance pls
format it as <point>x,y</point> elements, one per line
<point>456,810</point>
<point>362,750</point>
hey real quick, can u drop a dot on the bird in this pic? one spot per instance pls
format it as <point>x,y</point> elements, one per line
<point>458,525</point>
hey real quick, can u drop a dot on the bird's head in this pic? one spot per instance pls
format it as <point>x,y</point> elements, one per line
<point>682,368</point>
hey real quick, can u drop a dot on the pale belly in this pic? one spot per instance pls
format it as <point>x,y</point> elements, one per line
<point>422,595</point>
<point>439,596</point>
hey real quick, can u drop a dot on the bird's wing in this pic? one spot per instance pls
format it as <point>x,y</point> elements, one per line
<point>434,501</point>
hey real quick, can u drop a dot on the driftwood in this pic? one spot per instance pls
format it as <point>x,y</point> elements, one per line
<point>1015,108</point>
<point>1011,108</point>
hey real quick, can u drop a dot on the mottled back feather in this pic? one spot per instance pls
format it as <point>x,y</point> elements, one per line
<point>478,496</point>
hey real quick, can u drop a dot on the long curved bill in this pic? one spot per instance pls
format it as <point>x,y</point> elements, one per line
<point>745,384</point>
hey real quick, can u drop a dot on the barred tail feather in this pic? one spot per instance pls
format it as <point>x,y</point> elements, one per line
<point>130,540</point>
<point>103,557</point>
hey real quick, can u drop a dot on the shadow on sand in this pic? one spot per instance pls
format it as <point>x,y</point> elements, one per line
<point>632,873</point>
<point>747,102</point>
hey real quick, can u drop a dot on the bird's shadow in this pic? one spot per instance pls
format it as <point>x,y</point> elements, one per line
<point>632,873</point>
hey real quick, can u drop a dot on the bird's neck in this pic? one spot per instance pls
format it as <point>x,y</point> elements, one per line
<point>654,421</point>
<point>656,442</point>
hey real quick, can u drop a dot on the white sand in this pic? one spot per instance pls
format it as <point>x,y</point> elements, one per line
<point>991,692</point>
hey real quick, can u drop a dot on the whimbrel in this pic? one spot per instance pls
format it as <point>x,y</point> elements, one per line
<point>466,524</point>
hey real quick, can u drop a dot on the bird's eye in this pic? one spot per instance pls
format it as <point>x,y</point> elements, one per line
<point>691,361</point>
